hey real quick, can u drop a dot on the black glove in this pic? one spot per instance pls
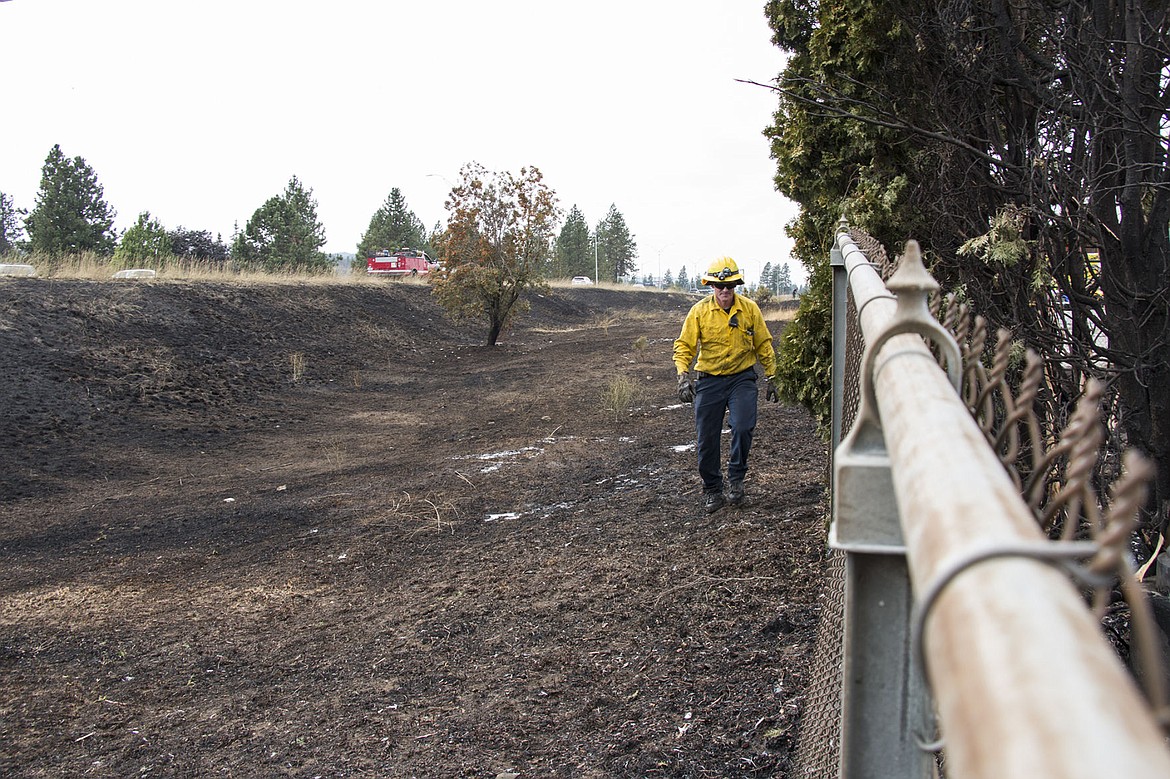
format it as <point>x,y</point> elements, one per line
<point>772,395</point>
<point>686,391</point>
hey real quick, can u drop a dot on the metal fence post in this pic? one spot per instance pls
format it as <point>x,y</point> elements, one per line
<point>840,323</point>
<point>885,708</point>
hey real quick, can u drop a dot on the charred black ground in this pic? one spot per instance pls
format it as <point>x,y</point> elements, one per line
<point>317,530</point>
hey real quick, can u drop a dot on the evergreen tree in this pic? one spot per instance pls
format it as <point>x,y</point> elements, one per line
<point>71,214</point>
<point>283,234</point>
<point>147,244</point>
<point>684,281</point>
<point>616,248</point>
<point>782,279</point>
<point>198,245</point>
<point>9,228</point>
<point>574,251</point>
<point>667,280</point>
<point>766,279</point>
<point>1023,145</point>
<point>393,226</point>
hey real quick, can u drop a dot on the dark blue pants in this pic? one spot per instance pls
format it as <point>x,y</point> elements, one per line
<point>715,395</point>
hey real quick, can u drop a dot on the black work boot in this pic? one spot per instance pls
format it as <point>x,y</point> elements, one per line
<point>735,494</point>
<point>712,502</point>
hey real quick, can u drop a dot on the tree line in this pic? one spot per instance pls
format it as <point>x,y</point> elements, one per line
<point>500,241</point>
<point>775,281</point>
<point>71,216</point>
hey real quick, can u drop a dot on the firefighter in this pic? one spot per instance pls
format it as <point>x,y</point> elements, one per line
<point>723,337</point>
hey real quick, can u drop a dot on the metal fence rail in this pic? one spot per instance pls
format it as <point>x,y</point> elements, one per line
<point>949,579</point>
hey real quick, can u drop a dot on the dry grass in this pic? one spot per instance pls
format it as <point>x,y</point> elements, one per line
<point>433,513</point>
<point>607,320</point>
<point>620,394</point>
<point>642,349</point>
<point>623,287</point>
<point>298,366</point>
<point>335,453</point>
<point>371,332</point>
<point>94,267</point>
<point>778,314</point>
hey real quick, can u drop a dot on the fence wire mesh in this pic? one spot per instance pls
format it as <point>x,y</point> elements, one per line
<point>818,744</point>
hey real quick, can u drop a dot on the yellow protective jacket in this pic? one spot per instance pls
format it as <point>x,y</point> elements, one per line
<point>725,342</point>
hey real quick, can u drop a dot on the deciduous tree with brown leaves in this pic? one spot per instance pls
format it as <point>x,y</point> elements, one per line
<point>500,235</point>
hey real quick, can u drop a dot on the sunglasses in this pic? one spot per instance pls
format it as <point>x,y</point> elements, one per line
<point>722,286</point>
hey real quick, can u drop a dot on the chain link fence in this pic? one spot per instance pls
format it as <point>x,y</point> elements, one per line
<point>818,744</point>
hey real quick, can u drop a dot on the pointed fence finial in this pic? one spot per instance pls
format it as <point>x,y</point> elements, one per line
<point>911,276</point>
<point>912,285</point>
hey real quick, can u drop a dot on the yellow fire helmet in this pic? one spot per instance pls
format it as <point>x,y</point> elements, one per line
<point>723,271</point>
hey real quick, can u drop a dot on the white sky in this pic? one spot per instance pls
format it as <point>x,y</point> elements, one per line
<point>200,111</point>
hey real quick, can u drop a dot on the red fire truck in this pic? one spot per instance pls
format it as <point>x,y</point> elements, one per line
<point>404,262</point>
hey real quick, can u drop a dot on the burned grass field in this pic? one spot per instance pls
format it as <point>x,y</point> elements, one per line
<point>317,530</point>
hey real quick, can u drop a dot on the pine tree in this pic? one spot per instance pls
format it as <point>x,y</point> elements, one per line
<point>198,245</point>
<point>574,251</point>
<point>393,226</point>
<point>782,279</point>
<point>147,243</point>
<point>616,247</point>
<point>283,234</point>
<point>9,229</point>
<point>71,214</point>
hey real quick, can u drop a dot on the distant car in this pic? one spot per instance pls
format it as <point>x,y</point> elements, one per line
<point>582,280</point>
<point>135,273</point>
<point>17,269</point>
